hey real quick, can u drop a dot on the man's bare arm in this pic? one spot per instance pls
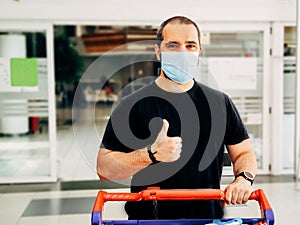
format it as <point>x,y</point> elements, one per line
<point>116,165</point>
<point>244,159</point>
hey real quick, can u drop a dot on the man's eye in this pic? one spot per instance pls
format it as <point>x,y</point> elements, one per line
<point>172,46</point>
<point>191,46</point>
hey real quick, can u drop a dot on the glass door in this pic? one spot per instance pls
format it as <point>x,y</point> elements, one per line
<point>237,57</point>
<point>283,65</point>
<point>289,98</point>
<point>27,116</point>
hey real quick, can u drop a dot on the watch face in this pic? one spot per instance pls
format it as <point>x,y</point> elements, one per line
<point>249,175</point>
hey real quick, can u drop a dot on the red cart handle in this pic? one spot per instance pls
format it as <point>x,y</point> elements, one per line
<point>154,193</point>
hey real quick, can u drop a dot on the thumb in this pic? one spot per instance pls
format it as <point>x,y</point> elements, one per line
<point>164,128</point>
<point>163,132</point>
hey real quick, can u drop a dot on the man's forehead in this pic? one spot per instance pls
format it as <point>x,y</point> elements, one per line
<point>176,25</point>
<point>186,32</point>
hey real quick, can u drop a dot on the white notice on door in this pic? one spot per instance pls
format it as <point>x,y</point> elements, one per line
<point>234,73</point>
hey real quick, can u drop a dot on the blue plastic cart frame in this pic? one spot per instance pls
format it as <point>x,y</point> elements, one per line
<point>151,194</point>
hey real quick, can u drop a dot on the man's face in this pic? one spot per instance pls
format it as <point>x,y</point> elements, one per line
<point>179,37</point>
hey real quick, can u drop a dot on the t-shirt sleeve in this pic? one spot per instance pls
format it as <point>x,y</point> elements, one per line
<point>236,131</point>
<point>110,140</point>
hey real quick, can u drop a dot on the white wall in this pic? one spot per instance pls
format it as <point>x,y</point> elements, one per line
<point>146,12</point>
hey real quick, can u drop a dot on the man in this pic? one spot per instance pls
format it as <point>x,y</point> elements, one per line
<point>185,148</point>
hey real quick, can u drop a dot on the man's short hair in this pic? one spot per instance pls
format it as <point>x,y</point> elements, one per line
<point>179,20</point>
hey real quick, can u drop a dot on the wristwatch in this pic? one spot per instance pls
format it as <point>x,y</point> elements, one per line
<point>247,175</point>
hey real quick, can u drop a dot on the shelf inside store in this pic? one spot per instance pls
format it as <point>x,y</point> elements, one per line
<point>139,48</point>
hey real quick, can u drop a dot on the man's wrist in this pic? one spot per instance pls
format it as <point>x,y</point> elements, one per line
<point>242,180</point>
<point>246,176</point>
<point>151,154</point>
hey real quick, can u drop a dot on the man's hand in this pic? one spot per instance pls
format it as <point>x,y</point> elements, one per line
<point>168,148</point>
<point>243,158</point>
<point>238,192</point>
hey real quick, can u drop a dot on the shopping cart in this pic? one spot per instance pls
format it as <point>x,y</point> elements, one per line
<point>153,194</point>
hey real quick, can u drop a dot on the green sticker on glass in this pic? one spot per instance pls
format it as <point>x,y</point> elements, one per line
<point>24,72</point>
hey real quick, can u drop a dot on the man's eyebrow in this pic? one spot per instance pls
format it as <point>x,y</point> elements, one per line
<point>186,42</point>
<point>191,42</point>
<point>172,42</point>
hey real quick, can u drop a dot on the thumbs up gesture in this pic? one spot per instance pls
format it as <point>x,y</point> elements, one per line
<point>168,148</point>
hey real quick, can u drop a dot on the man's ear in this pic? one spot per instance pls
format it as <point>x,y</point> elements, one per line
<point>157,51</point>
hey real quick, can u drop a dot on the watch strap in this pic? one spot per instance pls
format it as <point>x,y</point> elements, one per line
<point>243,174</point>
<point>151,154</point>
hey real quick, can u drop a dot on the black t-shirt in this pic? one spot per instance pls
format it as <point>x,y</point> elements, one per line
<point>204,118</point>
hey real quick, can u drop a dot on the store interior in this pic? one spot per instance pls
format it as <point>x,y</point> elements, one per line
<point>64,67</point>
<point>90,77</point>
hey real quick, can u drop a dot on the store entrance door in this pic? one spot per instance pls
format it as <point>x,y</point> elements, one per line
<point>237,56</point>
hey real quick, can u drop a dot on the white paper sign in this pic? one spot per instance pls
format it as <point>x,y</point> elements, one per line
<point>234,73</point>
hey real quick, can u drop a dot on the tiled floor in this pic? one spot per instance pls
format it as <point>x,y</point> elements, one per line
<point>65,207</point>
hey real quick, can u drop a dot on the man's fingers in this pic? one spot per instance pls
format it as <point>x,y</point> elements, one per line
<point>236,198</point>
<point>239,198</point>
<point>228,197</point>
<point>236,193</point>
<point>246,197</point>
<point>176,140</point>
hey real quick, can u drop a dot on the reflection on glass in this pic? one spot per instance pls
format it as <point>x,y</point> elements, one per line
<point>237,65</point>
<point>92,42</point>
<point>24,140</point>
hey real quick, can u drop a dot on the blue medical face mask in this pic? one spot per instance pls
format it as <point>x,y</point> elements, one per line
<point>180,67</point>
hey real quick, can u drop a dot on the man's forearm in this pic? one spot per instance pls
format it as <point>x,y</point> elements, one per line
<point>243,157</point>
<point>114,165</point>
<point>246,162</point>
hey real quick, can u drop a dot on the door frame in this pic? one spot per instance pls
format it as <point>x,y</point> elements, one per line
<point>277,93</point>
